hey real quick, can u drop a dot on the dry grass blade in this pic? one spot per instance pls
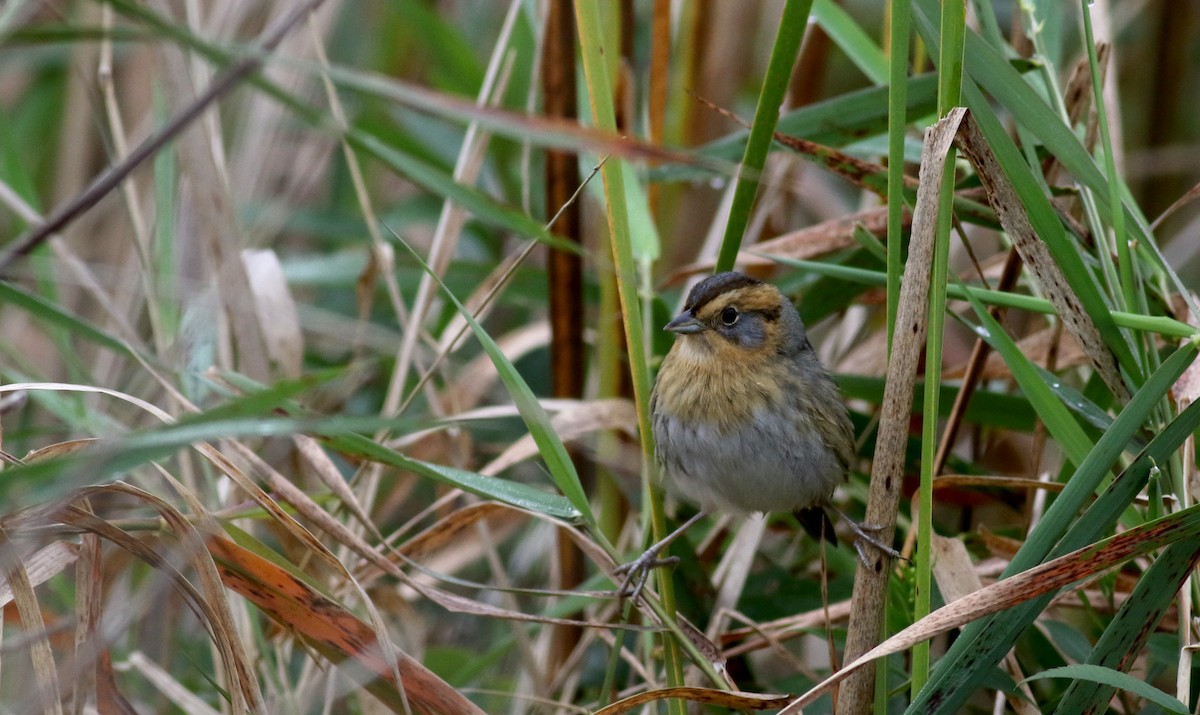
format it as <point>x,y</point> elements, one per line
<point>335,632</point>
<point>176,692</point>
<point>811,242</point>
<point>571,424</point>
<point>948,481</point>
<point>1191,195</point>
<point>1025,586</point>
<point>275,310</point>
<point>110,179</point>
<point>311,452</point>
<point>957,578</point>
<point>41,566</point>
<point>344,535</point>
<point>217,610</point>
<point>731,700</point>
<point>887,471</point>
<point>449,528</point>
<point>74,516</point>
<point>88,609</point>
<point>46,694</point>
<point>1037,257</point>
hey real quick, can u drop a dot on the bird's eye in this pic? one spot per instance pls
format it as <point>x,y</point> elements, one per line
<point>729,316</point>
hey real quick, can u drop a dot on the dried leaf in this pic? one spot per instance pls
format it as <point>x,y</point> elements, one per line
<point>1044,578</point>
<point>45,695</point>
<point>957,578</point>
<point>58,449</point>
<point>732,700</point>
<point>335,632</point>
<point>41,566</point>
<point>278,322</point>
<point>1037,257</point>
<point>582,418</point>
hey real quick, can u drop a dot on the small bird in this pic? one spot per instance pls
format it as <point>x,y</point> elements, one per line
<point>745,417</point>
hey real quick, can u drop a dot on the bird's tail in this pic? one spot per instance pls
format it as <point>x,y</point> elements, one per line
<point>817,523</point>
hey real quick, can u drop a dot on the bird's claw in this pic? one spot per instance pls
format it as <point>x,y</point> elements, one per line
<point>867,533</point>
<point>636,572</point>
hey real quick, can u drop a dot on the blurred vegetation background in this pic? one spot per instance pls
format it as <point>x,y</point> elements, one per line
<point>328,330</point>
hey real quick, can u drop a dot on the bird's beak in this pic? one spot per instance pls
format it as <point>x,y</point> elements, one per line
<point>685,323</point>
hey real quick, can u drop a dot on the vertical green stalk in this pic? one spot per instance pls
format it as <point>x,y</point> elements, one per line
<point>1120,241</point>
<point>950,67</point>
<point>766,115</point>
<point>600,95</point>
<point>899,29</point>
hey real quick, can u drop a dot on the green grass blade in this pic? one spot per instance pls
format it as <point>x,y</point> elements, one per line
<point>981,644</point>
<point>900,29</point>
<point>505,490</point>
<point>600,95</point>
<point>852,39</point>
<point>1041,214</point>
<point>1050,409</point>
<point>48,313</point>
<point>554,453</point>
<point>1112,679</point>
<point>1124,257</point>
<point>1127,632</point>
<point>766,115</point>
<point>1156,324</point>
<point>953,25</point>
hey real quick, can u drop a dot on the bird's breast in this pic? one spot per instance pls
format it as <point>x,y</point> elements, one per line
<point>719,392</point>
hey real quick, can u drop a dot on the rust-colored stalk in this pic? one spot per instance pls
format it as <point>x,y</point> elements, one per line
<point>565,267</point>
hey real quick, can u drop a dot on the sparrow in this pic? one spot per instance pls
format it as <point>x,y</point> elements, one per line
<point>746,418</point>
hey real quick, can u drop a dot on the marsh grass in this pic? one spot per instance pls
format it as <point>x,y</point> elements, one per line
<point>280,431</point>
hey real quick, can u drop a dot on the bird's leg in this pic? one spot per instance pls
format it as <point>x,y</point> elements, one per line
<point>637,571</point>
<point>867,533</point>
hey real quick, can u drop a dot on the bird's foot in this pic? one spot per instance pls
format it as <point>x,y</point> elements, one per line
<point>637,572</point>
<point>869,534</point>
